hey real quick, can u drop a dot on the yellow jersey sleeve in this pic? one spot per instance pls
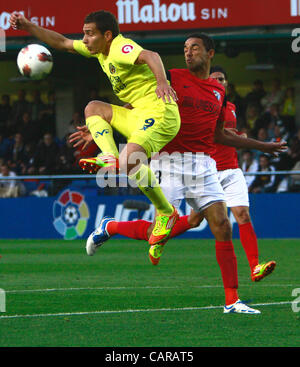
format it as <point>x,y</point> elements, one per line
<point>125,51</point>
<point>80,47</point>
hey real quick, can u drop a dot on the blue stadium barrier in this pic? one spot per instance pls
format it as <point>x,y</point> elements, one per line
<point>74,213</point>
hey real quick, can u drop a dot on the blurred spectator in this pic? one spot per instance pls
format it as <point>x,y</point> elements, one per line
<point>5,146</point>
<point>288,111</point>
<point>263,183</point>
<point>8,188</point>
<point>29,152</point>
<point>255,96</point>
<point>48,115</point>
<point>19,107</point>
<point>5,113</point>
<point>77,120</point>
<point>17,154</point>
<point>236,99</point>
<point>67,159</point>
<point>45,158</point>
<point>279,161</point>
<point>288,160</point>
<point>29,129</point>
<point>274,96</point>
<point>268,120</point>
<point>252,117</point>
<point>280,133</point>
<point>262,135</point>
<point>249,164</point>
<point>288,104</point>
<point>37,106</point>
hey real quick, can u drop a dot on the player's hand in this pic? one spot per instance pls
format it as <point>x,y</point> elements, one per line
<point>18,21</point>
<point>165,91</point>
<point>276,148</point>
<point>81,137</point>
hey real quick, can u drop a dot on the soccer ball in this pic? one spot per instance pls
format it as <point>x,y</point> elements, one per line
<point>35,61</point>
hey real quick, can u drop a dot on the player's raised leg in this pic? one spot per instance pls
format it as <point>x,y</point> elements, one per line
<point>98,116</point>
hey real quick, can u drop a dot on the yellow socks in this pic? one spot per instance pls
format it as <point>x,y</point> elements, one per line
<point>147,183</point>
<point>102,134</point>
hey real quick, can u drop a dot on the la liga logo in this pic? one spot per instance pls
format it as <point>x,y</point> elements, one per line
<point>71,214</point>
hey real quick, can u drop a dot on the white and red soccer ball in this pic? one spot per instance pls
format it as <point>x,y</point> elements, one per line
<point>35,61</point>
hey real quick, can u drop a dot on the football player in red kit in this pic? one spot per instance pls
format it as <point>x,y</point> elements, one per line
<point>191,168</point>
<point>235,188</point>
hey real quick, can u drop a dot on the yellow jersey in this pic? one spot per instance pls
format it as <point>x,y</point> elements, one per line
<point>134,84</point>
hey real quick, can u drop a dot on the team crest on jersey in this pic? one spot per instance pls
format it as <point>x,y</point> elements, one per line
<point>112,68</point>
<point>217,95</point>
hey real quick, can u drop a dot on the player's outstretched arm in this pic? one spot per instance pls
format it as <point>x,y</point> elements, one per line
<point>51,38</point>
<point>153,60</point>
<point>222,136</point>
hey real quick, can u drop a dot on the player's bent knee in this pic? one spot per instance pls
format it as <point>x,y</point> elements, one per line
<point>99,108</point>
<point>242,215</point>
<point>194,222</point>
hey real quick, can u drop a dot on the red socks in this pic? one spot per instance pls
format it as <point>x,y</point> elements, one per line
<point>227,261</point>
<point>137,229</point>
<point>249,243</point>
<point>181,226</point>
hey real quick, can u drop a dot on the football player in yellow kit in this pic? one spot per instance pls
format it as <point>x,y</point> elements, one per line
<point>138,78</point>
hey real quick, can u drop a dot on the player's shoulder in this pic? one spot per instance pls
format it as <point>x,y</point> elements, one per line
<point>179,72</point>
<point>230,105</point>
<point>123,44</point>
<point>215,84</point>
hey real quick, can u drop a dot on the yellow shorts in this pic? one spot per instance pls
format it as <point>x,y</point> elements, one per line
<point>151,127</point>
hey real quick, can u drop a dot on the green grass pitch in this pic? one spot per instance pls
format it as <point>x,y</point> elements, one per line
<point>57,296</point>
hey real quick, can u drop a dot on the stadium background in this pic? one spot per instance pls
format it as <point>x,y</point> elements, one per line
<point>251,43</point>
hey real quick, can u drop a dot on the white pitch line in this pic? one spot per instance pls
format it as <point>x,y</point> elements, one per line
<point>103,288</point>
<point>132,311</point>
<point>132,288</point>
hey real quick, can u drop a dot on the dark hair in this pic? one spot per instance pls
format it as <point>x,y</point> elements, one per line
<point>105,21</point>
<point>208,42</point>
<point>218,69</point>
<point>265,156</point>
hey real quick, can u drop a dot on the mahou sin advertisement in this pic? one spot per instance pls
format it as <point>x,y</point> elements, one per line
<point>154,15</point>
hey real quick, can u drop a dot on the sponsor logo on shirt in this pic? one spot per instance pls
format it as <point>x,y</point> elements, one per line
<point>202,104</point>
<point>127,48</point>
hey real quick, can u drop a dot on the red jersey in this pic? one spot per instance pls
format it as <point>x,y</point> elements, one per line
<point>226,156</point>
<point>200,104</point>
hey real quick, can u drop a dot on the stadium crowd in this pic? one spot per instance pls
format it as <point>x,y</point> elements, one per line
<point>29,144</point>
